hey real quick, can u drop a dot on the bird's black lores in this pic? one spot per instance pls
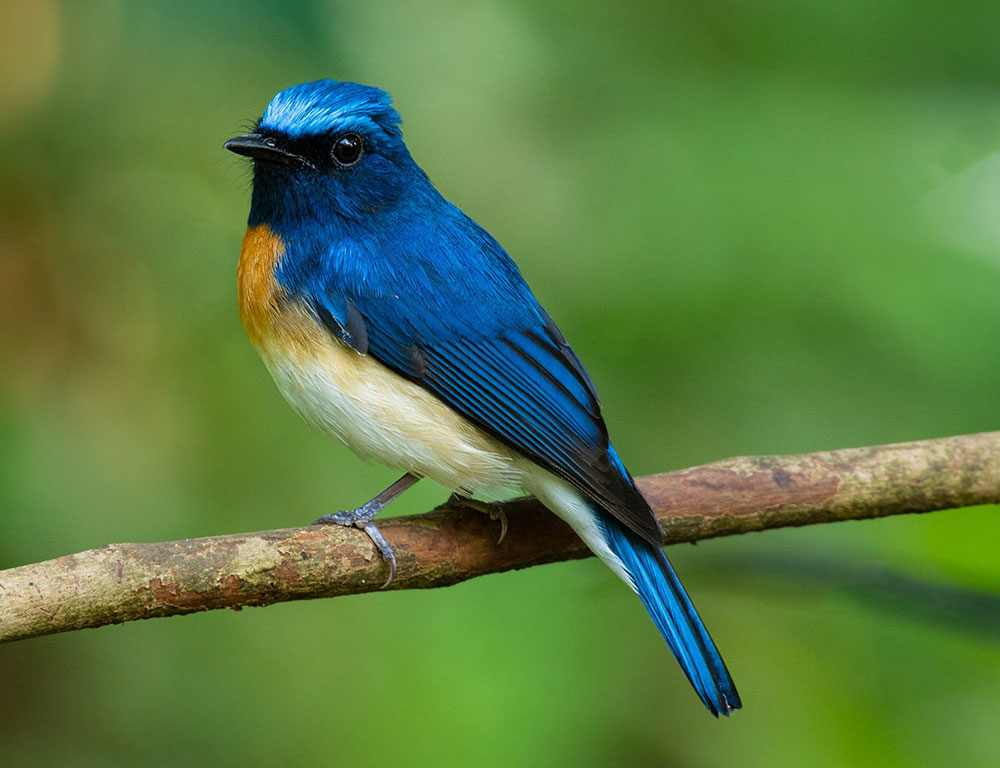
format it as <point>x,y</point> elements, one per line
<point>392,321</point>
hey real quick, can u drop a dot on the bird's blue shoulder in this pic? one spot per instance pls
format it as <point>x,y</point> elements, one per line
<point>423,270</point>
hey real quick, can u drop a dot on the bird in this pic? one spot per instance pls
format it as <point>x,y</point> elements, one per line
<point>390,320</point>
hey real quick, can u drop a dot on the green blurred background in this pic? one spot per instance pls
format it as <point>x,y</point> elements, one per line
<point>767,227</point>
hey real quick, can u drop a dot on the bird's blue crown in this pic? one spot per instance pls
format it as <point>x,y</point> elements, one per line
<point>311,108</point>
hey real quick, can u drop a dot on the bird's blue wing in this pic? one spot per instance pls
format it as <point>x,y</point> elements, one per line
<point>465,326</point>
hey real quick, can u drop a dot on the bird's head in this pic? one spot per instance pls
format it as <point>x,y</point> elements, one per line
<point>326,149</point>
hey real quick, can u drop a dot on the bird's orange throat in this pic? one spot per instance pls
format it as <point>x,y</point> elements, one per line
<point>260,295</point>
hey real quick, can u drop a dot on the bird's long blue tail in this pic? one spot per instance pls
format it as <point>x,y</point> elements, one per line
<point>671,610</point>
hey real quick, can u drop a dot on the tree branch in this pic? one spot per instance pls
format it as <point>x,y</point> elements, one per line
<point>124,582</point>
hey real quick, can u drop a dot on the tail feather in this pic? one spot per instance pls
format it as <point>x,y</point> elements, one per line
<point>674,616</point>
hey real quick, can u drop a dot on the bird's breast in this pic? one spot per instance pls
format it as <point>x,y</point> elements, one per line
<point>260,296</point>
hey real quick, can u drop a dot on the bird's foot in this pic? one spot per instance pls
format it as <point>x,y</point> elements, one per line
<point>495,511</point>
<point>363,518</point>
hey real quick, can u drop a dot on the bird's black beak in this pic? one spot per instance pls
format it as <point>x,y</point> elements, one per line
<point>265,148</point>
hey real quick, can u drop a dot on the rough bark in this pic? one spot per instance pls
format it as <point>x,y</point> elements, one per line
<point>123,582</point>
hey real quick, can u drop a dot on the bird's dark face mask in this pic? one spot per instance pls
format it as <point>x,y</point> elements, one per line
<point>351,171</point>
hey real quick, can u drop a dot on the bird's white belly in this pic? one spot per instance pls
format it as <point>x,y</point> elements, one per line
<point>380,415</point>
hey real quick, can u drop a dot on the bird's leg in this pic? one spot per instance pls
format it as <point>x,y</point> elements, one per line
<point>363,518</point>
<point>495,511</point>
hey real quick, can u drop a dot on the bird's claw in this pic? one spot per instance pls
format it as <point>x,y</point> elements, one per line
<point>362,518</point>
<point>384,549</point>
<point>495,511</point>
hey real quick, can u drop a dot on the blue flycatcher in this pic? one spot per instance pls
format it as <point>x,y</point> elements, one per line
<point>392,321</point>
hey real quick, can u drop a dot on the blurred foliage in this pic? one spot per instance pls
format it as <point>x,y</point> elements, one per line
<point>767,227</point>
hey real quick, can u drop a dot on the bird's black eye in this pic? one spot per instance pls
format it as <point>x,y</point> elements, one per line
<point>347,150</point>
